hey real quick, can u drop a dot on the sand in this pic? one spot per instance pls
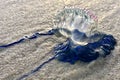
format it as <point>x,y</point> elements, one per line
<point>25,17</point>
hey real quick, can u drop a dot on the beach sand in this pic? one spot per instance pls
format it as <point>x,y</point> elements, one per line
<point>25,17</point>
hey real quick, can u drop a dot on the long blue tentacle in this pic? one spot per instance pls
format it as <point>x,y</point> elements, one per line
<point>37,68</point>
<point>34,36</point>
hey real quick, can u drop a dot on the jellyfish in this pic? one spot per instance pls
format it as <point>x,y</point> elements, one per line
<point>86,43</point>
<point>83,40</point>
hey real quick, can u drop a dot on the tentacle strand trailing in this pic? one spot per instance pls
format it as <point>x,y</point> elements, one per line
<point>34,36</point>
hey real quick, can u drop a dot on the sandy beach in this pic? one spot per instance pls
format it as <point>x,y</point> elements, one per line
<point>25,17</point>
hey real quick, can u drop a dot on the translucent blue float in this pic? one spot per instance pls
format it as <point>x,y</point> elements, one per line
<point>83,41</point>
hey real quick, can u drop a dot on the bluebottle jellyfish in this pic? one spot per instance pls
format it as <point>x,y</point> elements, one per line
<point>83,41</point>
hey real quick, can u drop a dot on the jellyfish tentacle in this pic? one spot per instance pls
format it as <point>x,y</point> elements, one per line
<point>37,68</point>
<point>13,43</point>
<point>86,53</point>
<point>34,36</point>
<point>108,44</point>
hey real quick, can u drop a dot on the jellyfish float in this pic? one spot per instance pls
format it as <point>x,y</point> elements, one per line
<point>83,41</point>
